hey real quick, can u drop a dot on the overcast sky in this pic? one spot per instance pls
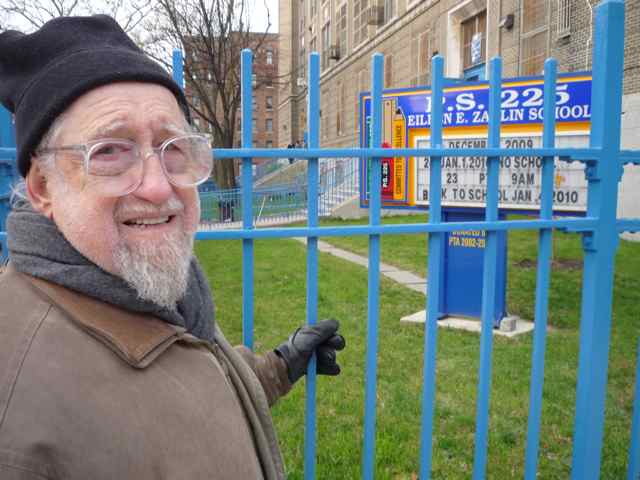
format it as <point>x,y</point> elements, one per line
<point>258,9</point>
<point>259,17</point>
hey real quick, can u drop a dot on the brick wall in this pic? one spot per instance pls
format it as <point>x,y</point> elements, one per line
<point>399,40</point>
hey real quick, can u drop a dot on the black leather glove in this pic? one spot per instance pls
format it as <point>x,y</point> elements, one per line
<point>321,339</point>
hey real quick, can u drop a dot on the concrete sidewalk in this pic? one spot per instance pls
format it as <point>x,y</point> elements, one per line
<point>509,327</point>
<point>405,278</point>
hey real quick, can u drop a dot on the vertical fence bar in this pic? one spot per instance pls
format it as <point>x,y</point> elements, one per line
<point>542,282</point>
<point>178,68</point>
<point>600,245</point>
<point>4,251</point>
<point>489,275</point>
<point>373,307</point>
<point>312,264</point>
<point>633,470</point>
<point>246,198</point>
<point>434,273</point>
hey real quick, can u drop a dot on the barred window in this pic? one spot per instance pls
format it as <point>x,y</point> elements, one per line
<point>474,30</point>
<point>326,38</point>
<point>534,36</point>
<point>564,18</point>
<point>340,128</point>
<point>421,63</point>
<point>389,10</point>
<point>342,30</point>
<point>324,118</point>
<point>360,32</point>
<point>388,71</point>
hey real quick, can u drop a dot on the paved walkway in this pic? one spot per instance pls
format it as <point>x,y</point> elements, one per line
<point>408,279</point>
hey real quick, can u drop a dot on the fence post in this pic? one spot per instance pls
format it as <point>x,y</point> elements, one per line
<point>373,306</point>
<point>489,275</point>
<point>247,196</point>
<point>312,264</point>
<point>434,266</point>
<point>603,175</point>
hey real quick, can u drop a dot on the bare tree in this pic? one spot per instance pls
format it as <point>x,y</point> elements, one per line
<point>212,33</point>
<point>29,15</point>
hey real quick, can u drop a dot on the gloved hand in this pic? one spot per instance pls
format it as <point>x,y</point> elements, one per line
<point>321,339</point>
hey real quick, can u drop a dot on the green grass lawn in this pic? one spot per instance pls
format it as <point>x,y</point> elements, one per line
<point>280,281</point>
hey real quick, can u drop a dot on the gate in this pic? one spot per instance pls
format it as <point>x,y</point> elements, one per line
<point>600,229</point>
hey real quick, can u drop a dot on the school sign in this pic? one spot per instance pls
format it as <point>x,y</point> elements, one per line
<point>407,121</point>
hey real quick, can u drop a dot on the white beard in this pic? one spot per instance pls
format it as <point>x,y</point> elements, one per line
<point>158,271</point>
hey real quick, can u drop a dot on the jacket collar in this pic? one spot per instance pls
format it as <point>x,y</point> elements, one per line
<point>136,338</point>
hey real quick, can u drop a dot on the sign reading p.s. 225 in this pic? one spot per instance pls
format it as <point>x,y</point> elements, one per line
<point>407,122</point>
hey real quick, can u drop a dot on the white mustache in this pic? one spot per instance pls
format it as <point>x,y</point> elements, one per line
<point>131,207</point>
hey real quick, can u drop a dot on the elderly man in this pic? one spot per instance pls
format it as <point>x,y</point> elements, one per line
<point>111,365</point>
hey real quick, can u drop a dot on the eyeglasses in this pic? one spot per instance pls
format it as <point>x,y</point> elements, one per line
<point>114,167</point>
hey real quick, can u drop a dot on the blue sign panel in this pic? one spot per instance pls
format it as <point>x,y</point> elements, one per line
<point>521,104</point>
<point>463,256</point>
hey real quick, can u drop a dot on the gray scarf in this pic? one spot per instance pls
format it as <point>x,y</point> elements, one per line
<point>38,248</point>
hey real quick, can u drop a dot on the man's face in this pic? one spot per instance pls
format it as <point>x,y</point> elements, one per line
<point>147,233</point>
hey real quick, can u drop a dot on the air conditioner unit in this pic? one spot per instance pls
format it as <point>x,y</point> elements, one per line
<point>301,82</point>
<point>375,15</point>
<point>334,52</point>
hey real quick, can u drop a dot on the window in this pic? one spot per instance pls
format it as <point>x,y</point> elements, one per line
<point>340,128</point>
<point>269,58</point>
<point>389,10</point>
<point>474,40</point>
<point>564,18</point>
<point>268,125</point>
<point>324,116</point>
<point>254,80</point>
<point>388,71</point>
<point>325,45</point>
<point>422,59</point>
<point>269,144</point>
<point>360,30</point>
<point>254,124</point>
<point>302,53</point>
<point>302,66</point>
<point>342,30</point>
<point>269,103</point>
<point>361,86</point>
<point>533,37</point>
<point>314,7</point>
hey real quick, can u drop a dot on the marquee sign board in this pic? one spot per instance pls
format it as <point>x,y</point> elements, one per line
<point>407,120</point>
<point>464,178</point>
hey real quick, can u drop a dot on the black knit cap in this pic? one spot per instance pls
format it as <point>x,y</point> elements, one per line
<point>42,73</point>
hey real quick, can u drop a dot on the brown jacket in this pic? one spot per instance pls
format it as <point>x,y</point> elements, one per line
<point>90,391</point>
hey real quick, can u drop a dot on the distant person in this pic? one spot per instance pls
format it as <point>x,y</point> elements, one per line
<point>291,159</point>
<point>111,363</point>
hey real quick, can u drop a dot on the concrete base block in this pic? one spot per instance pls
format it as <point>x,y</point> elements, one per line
<point>509,327</point>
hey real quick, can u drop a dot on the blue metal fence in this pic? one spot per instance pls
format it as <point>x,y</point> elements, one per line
<point>599,230</point>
